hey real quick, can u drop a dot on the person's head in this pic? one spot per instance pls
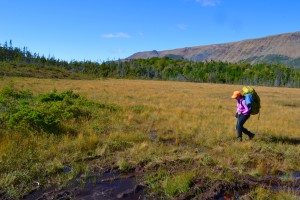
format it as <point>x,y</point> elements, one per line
<point>236,95</point>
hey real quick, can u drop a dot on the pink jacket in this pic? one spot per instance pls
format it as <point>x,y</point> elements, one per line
<point>242,107</point>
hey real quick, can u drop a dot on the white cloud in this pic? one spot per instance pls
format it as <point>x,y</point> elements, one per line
<point>116,35</point>
<point>209,2</point>
<point>181,26</point>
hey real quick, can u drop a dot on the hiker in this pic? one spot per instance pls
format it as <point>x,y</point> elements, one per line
<point>242,114</point>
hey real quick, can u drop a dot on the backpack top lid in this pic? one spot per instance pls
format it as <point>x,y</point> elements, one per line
<point>247,90</point>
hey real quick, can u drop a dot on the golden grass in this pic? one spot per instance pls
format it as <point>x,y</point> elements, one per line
<point>190,121</point>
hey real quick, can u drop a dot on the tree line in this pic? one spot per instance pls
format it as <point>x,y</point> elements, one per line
<point>166,68</point>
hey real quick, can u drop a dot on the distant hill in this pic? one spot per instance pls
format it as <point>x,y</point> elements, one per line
<point>283,48</point>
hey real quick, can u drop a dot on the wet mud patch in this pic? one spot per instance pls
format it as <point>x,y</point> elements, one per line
<point>108,185</point>
<point>205,188</point>
<point>112,184</point>
<point>167,137</point>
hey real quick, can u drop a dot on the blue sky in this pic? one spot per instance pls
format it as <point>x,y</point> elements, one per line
<point>100,30</point>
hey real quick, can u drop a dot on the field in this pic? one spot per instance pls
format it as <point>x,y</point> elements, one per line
<point>176,138</point>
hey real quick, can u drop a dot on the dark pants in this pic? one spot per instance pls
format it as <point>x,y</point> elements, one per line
<point>240,126</point>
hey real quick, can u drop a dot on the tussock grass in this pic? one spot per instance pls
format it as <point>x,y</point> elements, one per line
<point>178,183</point>
<point>190,123</point>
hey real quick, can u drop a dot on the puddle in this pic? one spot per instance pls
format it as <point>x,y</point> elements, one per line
<point>110,185</point>
<point>67,170</point>
<point>285,188</point>
<point>153,135</point>
<point>280,182</point>
<point>292,175</point>
<point>295,175</point>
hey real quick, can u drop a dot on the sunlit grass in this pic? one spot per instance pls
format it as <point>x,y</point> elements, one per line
<point>188,121</point>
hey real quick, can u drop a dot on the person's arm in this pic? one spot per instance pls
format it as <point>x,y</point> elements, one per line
<point>246,108</point>
<point>237,110</point>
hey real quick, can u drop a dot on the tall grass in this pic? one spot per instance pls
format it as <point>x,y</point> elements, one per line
<point>153,123</point>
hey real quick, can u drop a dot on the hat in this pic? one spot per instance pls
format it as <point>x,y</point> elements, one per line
<point>236,94</point>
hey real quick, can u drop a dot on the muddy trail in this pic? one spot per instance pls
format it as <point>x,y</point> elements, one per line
<point>112,184</point>
<point>240,189</point>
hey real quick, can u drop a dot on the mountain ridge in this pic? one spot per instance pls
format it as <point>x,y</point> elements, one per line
<point>282,48</point>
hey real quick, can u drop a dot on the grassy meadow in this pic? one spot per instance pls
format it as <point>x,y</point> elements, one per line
<point>177,131</point>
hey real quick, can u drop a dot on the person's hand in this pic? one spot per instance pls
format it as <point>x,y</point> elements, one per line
<point>236,115</point>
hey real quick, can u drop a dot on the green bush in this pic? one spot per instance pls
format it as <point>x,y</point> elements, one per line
<point>67,96</point>
<point>9,92</point>
<point>44,113</point>
<point>29,118</point>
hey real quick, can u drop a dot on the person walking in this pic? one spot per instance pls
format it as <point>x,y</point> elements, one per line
<point>242,115</point>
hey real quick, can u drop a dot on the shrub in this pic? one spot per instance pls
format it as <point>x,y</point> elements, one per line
<point>44,113</point>
<point>68,96</point>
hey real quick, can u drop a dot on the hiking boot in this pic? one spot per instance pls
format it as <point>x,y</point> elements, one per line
<point>251,136</point>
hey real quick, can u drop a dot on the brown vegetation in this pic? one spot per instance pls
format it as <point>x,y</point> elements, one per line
<point>176,134</point>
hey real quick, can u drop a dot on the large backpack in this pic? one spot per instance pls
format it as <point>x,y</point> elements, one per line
<point>252,99</point>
